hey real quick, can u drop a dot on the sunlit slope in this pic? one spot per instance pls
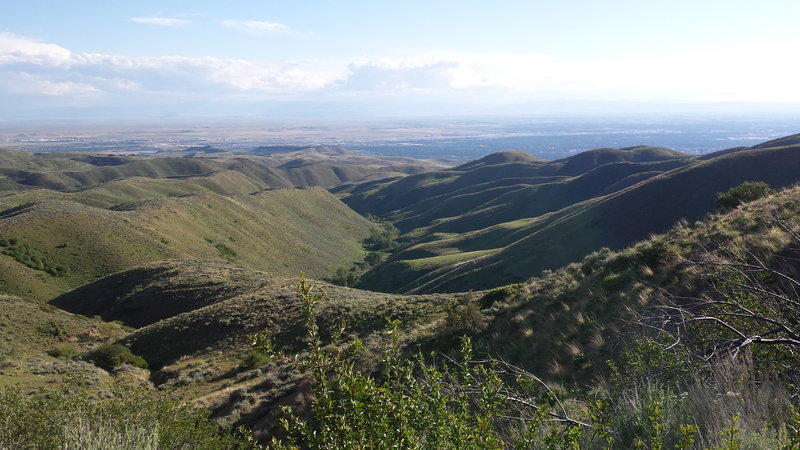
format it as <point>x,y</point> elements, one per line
<point>134,189</point>
<point>283,231</point>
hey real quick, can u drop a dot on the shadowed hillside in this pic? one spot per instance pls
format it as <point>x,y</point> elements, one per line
<point>221,303</point>
<point>146,294</point>
<point>407,198</point>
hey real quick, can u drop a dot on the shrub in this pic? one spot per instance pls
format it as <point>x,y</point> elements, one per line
<point>63,350</point>
<point>72,418</point>
<point>595,261</point>
<point>253,359</point>
<point>110,356</point>
<point>656,254</point>
<point>345,277</point>
<point>52,328</point>
<point>488,299</point>
<point>31,257</point>
<point>463,316</point>
<point>225,251</point>
<point>373,258</point>
<point>614,282</point>
<point>743,193</point>
<point>645,362</point>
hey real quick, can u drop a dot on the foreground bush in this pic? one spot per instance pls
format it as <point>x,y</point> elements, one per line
<point>743,193</point>
<point>462,402</point>
<point>72,419</point>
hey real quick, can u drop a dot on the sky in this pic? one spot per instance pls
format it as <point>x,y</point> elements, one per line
<point>390,58</point>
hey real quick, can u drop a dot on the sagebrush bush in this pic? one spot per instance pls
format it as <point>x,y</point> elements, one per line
<point>110,356</point>
<point>656,401</point>
<point>63,350</point>
<point>656,254</point>
<point>743,193</point>
<point>71,418</point>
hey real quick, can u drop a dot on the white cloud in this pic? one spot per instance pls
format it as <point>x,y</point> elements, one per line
<point>458,72</point>
<point>763,72</point>
<point>257,27</point>
<point>756,73</point>
<point>16,49</point>
<point>161,21</point>
<point>163,74</point>
<point>401,75</point>
<point>26,83</point>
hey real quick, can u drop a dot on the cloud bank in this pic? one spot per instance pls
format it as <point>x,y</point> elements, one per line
<point>43,70</point>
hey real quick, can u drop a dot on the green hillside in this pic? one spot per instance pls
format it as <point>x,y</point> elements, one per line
<point>146,294</point>
<point>569,322</point>
<point>462,234</point>
<point>184,269</point>
<point>193,316</point>
<point>191,307</point>
<point>39,343</point>
<point>225,323</point>
<point>284,231</point>
<point>479,185</point>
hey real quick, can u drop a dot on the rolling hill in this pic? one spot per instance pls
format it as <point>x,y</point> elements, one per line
<point>483,225</point>
<point>90,215</point>
<point>321,166</point>
<point>283,230</point>
<point>219,304</point>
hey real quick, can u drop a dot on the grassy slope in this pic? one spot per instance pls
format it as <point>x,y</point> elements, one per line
<point>20,321</point>
<point>190,306</point>
<point>568,323</point>
<point>413,195</point>
<point>28,330</point>
<point>562,326</point>
<point>283,230</point>
<point>141,188</point>
<point>545,226</point>
<point>146,294</point>
<point>630,215</point>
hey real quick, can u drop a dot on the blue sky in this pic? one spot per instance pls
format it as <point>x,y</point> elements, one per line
<point>383,58</point>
